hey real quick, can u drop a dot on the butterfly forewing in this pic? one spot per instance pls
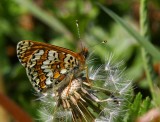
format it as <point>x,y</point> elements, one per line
<point>47,65</point>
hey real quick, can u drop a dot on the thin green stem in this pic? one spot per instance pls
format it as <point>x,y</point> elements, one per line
<point>147,59</point>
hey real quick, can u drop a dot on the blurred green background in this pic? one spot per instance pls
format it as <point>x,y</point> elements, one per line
<point>54,22</point>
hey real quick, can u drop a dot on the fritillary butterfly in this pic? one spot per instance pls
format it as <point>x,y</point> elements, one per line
<point>49,65</point>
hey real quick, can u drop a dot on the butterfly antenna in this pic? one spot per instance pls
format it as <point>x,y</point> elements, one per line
<point>77,24</point>
<point>79,36</point>
<point>103,42</point>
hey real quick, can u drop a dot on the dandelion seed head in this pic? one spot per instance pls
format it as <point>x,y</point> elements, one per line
<point>109,92</point>
<point>126,87</point>
<point>46,115</point>
<point>111,76</point>
<point>94,74</point>
<point>63,114</point>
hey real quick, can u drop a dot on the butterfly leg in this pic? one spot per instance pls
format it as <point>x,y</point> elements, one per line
<point>69,85</point>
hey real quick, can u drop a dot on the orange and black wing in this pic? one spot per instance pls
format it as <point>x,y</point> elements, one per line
<point>45,64</point>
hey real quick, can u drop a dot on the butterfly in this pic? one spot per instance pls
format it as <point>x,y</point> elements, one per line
<point>49,65</point>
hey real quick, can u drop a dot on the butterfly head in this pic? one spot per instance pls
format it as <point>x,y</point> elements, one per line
<point>84,53</point>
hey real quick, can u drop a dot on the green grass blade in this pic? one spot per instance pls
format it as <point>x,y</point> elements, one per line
<point>49,20</point>
<point>141,40</point>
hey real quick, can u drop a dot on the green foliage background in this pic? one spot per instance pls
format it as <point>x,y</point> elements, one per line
<point>55,22</point>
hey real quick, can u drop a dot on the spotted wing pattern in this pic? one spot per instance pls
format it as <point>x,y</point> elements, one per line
<point>47,65</point>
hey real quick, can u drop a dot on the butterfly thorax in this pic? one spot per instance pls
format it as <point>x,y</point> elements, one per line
<point>76,70</point>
